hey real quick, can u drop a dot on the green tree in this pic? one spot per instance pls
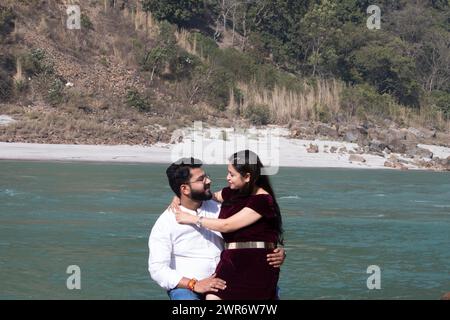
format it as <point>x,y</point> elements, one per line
<point>179,12</point>
<point>319,26</point>
<point>388,67</point>
<point>163,53</point>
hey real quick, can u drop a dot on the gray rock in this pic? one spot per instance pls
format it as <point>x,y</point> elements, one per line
<point>326,130</point>
<point>419,152</point>
<point>389,164</point>
<point>422,133</point>
<point>397,146</point>
<point>377,146</point>
<point>393,158</point>
<point>352,135</point>
<point>302,130</point>
<point>356,158</point>
<point>395,165</point>
<point>343,150</point>
<point>313,148</point>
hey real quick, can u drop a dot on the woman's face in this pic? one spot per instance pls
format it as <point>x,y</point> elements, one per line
<point>235,179</point>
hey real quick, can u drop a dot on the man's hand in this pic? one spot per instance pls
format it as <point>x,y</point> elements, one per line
<point>210,284</point>
<point>276,259</point>
<point>175,204</point>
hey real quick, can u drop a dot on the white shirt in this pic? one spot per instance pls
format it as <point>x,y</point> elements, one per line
<point>178,250</point>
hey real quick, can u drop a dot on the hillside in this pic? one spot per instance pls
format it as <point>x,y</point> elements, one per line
<point>136,71</point>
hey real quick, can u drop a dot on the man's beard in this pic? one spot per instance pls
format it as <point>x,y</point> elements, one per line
<point>201,196</point>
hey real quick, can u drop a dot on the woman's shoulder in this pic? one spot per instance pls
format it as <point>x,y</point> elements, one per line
<point>261,192</point>
<point>261,196</point>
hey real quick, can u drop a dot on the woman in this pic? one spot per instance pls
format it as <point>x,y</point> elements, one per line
<point>250,222</point>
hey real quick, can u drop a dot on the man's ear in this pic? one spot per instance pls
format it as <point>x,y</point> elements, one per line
<point>185,189</point>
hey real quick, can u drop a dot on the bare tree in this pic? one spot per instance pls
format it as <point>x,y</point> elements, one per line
<point>435,61</point>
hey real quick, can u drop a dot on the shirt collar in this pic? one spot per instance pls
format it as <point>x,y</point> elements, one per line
<point>199,210</point>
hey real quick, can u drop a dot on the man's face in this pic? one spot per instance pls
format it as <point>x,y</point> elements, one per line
<point>200,185</point>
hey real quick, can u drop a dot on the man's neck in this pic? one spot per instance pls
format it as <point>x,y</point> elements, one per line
<point>190,204</point>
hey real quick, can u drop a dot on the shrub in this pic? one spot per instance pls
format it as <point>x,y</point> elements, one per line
<point>183,66</point>
<point>86,22</point>
<point>55,94</point>
<point>135,100</point>
<point>217,88</point>
<point>21,86</point>
<point>5,85</point>
<point>364,99</point>
<point>258,114</point>
<point>163,53</point>
<point>35,63</point>
<point>441,99</point>
<point>206,46</point>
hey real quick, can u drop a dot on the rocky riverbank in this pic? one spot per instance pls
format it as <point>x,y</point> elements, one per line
<point>402,147</point>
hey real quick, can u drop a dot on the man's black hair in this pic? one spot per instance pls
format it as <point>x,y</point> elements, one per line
<point>179,173</point>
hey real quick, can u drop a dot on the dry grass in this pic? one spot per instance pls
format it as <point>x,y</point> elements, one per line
<point>183,37</point>
<point>322,102</point>
<point>312,103</point>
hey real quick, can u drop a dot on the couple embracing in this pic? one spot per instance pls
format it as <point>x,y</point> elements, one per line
<point>221,245</point>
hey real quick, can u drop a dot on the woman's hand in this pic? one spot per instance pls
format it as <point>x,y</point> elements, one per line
<point>175,204</point>
<point>276,259</point>
<point>185,218</point>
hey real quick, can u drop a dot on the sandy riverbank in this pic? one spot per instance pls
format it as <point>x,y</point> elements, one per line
<point>213,146</point>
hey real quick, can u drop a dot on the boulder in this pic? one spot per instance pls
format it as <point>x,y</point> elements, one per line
<point>443,139</point>
<point>395,145</point>
<point>333,149</point>
<point>343,150</point>
<point>313,148</point>
<point>422,133</point>
<point>302,130</point>
<point>395,165</point>
<point>419,152</point>
<point>326,131</point>
<point>389,164</point>
<point>393,158</point>
<point>377,146</point>
<point>445,164</point>
<point>352,136</point>
<point>354,133</point>
<point>356,158</point>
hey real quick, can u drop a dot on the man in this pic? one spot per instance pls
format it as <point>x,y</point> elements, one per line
<point>181,254</point>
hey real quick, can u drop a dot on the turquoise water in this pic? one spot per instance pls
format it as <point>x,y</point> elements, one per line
<point>337,223</point>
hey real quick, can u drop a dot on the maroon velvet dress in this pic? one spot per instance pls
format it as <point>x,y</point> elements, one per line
<point>247,271</point>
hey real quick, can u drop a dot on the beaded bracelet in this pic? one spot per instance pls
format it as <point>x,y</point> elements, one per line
<point>191,284</point>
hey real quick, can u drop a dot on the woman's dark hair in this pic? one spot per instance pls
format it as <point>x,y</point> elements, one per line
<point>179,173</point>
<point>247,161</point>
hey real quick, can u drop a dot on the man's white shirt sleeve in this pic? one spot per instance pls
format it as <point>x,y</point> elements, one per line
<point>160,246</point>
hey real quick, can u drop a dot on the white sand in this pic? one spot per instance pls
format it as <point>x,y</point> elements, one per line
<point>271,144</point>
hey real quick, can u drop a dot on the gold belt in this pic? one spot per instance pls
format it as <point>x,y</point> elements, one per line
<point>250,245</point>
